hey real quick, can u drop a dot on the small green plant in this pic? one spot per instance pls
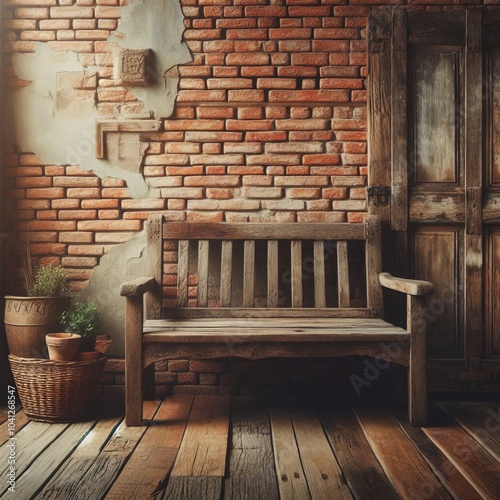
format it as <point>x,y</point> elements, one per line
<point>50,281</point>
<point>84,319</point>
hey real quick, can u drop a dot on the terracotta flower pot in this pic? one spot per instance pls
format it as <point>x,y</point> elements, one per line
<point>63,346</point>
<point>28,320</point>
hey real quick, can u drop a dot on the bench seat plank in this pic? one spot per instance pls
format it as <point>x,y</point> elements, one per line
<point>272,331</point>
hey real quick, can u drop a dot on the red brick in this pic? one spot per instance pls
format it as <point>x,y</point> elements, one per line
<point>341,83</point>
<point>276,83</point>
<point>104,12</point>
<point>245,95</point>
<point>290,33</point>
<point>229,83</point>
<point>247,34</point>
<point>86,250</point>
<point>266,136</point>
<point>295,46</point>
<point>213,181</point>
<point>250,113</point>
<point>309,59</point>
<point>205,216</point>
<point>203,34</point>
<point>76,237</point>
<point>225,71</point>
<point>213,136</point>
<point>303,193</point>
<point>201,95</point>
<point>247,59</point>
<point>31,13</point>
<point>273,159</point>
<point>257,71</point>
<point>47,193</point>
<point>215,112</point>
<point>30,182</point>
<point>226,159</point>
<point>106,225</point>
<point>299,11</point>
<point>300,71</point>
<point>240,23</point>
<point>249,125</point>
<point>329,96</point>
<point>77,214</point>
<point>72,12</point>
<point>321,217</point>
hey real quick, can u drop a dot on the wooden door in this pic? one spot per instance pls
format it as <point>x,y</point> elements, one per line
<point>441,172</point>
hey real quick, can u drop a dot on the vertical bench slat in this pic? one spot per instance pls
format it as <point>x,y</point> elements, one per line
<point>296,258</point>
<point>249,274</point>
<point>319,274</point>
<point>225,273</point>
<point>183,273</point>
<point>203,247</point>
<point>343,274</point>
<point>272,273</point>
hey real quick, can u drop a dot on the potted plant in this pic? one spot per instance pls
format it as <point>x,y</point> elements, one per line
<point>84,319</point>
<point>28,319</point>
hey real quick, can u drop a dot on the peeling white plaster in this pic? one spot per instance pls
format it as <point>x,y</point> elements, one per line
<point>60,133</point>
<point>123,263</point>
<point>58,124</point>
<point>157,25</point>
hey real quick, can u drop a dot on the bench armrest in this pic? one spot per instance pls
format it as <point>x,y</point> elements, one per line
<point>410,287</point>
<point>137,287</point>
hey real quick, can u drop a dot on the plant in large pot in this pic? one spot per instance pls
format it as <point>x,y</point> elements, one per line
<point>28,319</point>
<point>84,319</point>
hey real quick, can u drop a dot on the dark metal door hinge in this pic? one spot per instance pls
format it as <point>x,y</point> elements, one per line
<point>380,194</point>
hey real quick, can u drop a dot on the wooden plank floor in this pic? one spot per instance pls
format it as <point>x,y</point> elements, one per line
<point>218,447</point>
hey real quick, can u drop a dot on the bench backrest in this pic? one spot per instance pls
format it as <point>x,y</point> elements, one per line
<point>263,269</point>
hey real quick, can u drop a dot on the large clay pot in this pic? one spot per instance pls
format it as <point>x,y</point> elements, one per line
<point>63,346</point>
<point>28,320</point>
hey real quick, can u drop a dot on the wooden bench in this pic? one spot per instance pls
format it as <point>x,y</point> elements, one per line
<point>259,290</point>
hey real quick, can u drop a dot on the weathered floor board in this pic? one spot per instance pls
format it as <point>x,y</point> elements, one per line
<point>362,471</point>
<point>62,483</point>
<point>204,447</point>
<point>47,463</point>
<point>456,484</point>
<point>469,457</point>
<point>249,448</point>
<point>30,442</point>
<point>483,427</point>
<point>155,454</point>
<point>291,477</point>
<point>251,457</point>
<point>323,474</point>
<point>20,420</point>
<point>401,461</point>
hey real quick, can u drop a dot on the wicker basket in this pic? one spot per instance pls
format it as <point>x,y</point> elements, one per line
<point>55,391</point>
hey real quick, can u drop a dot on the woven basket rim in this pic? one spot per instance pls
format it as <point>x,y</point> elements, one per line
<point>50,362</point>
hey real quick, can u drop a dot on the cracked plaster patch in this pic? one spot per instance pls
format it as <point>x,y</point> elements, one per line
<point>55,117</point>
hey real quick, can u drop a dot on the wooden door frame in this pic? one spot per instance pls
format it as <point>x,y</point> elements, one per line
<point>388,163</point>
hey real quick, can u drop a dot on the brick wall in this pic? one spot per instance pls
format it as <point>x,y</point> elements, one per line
<point>270,125</point>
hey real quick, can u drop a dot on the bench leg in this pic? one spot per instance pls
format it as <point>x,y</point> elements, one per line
<point>417,370</point>
<point>133,361</point>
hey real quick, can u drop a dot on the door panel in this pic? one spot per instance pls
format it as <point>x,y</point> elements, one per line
<point>493,292</point>
<point>437,259</point>
<point>493,65</point>
<point>435,141</point>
